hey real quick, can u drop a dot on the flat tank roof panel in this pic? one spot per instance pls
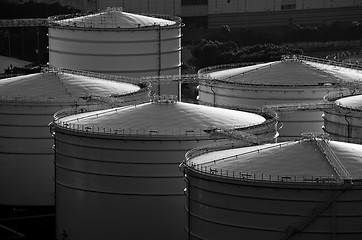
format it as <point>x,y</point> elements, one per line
<point>160,116</point>
<point>62,85</point>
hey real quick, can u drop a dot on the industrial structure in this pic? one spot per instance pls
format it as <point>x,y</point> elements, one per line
<point>213,14</point>
<point>27,106</point>
<point>344,120</point>
<point>281,85</point>
<point>117,170</point>
<point>305,189</point>
<point>118,43</point>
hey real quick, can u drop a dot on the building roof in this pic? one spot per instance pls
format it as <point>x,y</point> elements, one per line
<point>114,18</point>
<point>294,158</point>
<point>287,72</point>
<point>166,118</point>
<point>64,86</point>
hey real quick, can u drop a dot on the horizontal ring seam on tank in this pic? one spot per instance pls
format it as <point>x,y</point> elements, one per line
<point>136,138</point>
<point>263,229</point>
<point>114,162</point>
<point>25,153</point>
<point>32,102</point>
<point>270,213</point>
<point>134,71</point>
<point>300,121</point>
<point>341,135</point>
<point>250,183</point>
<point>91,29</point>
<point>25,137</point>
<point>19,126</point>
<point>113,41</point>
<point>253,197</point>
<point>316,100</point>
<point>341,114</point>
<point>113,175</point>
<point>230,85</point>
<point>243,210</point>
<point>119,193</point>
<point>27,114</point>
<point>345,124</point>
<point>233,225</point>
<point>194,235</point>
<point>146,139</point>
<point>116,54</point>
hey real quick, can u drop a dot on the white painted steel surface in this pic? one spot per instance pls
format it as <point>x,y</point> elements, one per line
<point>274,191</point>
<point>27,106</point>
<point>118,43</point>
<point>281,82</point>
<point>344,121</point>
<point>117,170</point>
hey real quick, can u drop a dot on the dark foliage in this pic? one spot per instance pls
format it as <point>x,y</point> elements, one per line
<point>32,10</point>
<point>209,53</point>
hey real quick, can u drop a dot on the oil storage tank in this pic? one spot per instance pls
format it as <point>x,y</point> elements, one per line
<point>27,106</point>
<point>289,81</point>
<point>344,120</point>
<point>118,43</point>
<point>117,170</point>
<point>305,189</point>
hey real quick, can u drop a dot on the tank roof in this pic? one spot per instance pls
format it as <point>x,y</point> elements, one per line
<point>61,86</point>
<point>114,18</point>
<point>293,158</point>
<point>354,102</point>
<point>166,118</point>
<point>287,72</point>
<point>344,73</point>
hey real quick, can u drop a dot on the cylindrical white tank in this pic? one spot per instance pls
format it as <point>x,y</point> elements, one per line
<point>117,170</point>
<point>344,120</point>
<point>275,83</point>
<point>118,43</point>
<point>27,106</point>
<point>288,190</point>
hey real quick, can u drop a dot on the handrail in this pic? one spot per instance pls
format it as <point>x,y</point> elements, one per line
<point>203,168</point>
<point>55,21</point>
<point>259,177</point>
<point>323,61</point>
<point>299,106</point>
<point>215,68</point>
<point>334,161</point>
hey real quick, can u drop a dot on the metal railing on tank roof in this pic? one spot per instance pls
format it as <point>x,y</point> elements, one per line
<point>72,125</point>
<point>334,62</point>
<point>207,169</point>
<point>65,22</point>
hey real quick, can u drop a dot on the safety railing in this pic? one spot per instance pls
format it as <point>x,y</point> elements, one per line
<point>207,166</point>
<point>221,67</point>
<point>93,129</point>
<point>298,106</point>
<point>66,22</point>
<point>336,63</point>
<point>260,177</point>
<point>334,161</point>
